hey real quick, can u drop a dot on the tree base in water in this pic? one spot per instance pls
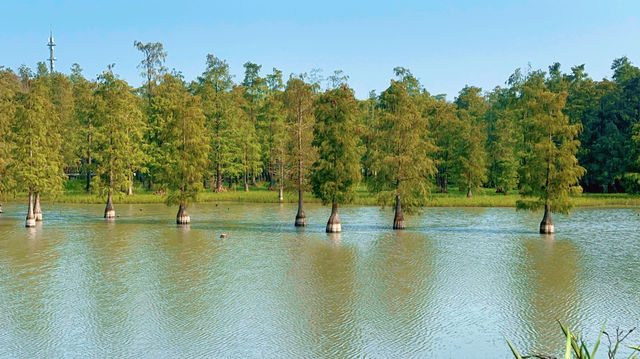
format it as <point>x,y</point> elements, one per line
<point>334,228</point>
<point>399,224</point>
<point>110,213</point>
<point>546,228</point>
<point>183,217</point>
<point>30,222</point>
<point>301,221</point>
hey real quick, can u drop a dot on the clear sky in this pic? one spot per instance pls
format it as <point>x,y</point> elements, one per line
<point>446,44</point>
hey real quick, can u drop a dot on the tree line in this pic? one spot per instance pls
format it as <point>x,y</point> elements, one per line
<point>546,134</point>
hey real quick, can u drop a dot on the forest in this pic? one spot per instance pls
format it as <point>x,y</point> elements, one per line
<point>548,135</point>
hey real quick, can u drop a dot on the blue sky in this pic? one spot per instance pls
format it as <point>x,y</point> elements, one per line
<point>446,44</point>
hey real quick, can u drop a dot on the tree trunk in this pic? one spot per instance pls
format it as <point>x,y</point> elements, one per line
<point>333,225</point>
<point>219,187</point>
<point>546,226</point>
<point>37,210</point>
<point>398,219</point>
<point>88,188</point>
<point>469,193</point>
<point>183,217</point>
<point>301,218</point>
<point>246,183</point>
<point>31,219</point>
<point>280,196</point>
<point>130,187</point>
<point>109,211</point>
<point>0,207</point>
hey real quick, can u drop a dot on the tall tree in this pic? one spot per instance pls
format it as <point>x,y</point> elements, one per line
<point>271,128</point>
<point>119,130</point>
<point>245,136</point>
<point>185,145</point>
<point>152,64</point>
<point>213,87</point>
<point>550,170</point>
<point>298,101</point>
<point>337,169</point>
<point>471,110</point>
<point>504,137</point>
<point>83,109</point>
<point>37,166</point>
<point>9,88</point>
<point>402,153</point>
<point>255,89</point>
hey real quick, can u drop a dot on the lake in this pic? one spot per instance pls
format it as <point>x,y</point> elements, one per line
<point>453,285</point>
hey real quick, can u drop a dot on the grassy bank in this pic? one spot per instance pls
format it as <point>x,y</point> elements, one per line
<point>485,197</point>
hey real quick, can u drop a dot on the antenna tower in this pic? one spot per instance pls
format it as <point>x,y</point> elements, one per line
<point>51,44</point>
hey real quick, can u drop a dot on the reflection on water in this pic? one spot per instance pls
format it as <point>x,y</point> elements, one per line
<point>454,285</point>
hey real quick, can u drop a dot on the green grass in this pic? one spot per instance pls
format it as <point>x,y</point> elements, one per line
<point>485,197</point>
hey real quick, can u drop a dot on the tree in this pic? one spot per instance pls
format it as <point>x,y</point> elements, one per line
<point>550,171</point>
<point>213,87</point>
<point>504,137</point>
<point>152,64</point>
<point>9,88</point>
<point>271,128</point>
<point>255,89</point>
<point>298,102</point>
<point>36,164</point>
<point>83,108</point>
<point>245,136</point>
<point>185,145</point>
<point>119,130</point>
<point>337,169</point>
<point>444,126</point>
<point>471,110</point>
<point>402,152</point>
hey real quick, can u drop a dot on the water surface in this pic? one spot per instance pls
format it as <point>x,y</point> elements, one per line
<point>454,285</point>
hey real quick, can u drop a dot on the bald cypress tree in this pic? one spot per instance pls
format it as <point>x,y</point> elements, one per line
<point>185,145</point>
<point>550,172</point>
<point>119,130</point>
<point>337,169</point>
<point>402,153</point>
<point>471,110</point>
<point>36,163</point>
<point>9,87</point>
<point>298,101</point>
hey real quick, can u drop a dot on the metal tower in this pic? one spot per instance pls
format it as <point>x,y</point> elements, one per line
<point>51,44</point>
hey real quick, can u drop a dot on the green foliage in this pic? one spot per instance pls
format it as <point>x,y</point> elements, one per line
<point>337,169</point>
<point>401,151</point>
<point>550,172</point>
<point>471,110</point>
<point>298,100</point>
<point>36,163</point>
<point>184,144</point>
<point>577,348</point>
<point>119,128</point>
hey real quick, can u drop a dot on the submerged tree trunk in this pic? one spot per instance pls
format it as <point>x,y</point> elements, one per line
<point>398,219</point>
<point>37,210</point>
<point>546,226</point>
<point>109,211</point>
<point>31,219</point>
<point>469,193</point>
<point>301,218</point>
<point>333,225</point>
<point>0,207</point>
<point>183,217</point>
